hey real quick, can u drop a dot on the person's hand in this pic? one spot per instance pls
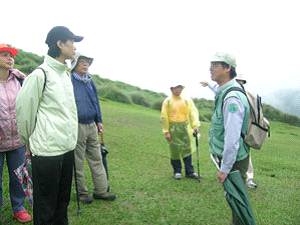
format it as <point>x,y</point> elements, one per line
<point>100,127</point>
<point>168,136</point>
<point>195,131</point>
<point>27,151</point>
<point>221,176</point>
<point>204,83</point>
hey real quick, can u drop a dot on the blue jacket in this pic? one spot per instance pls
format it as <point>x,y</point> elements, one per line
<point>87,101</point>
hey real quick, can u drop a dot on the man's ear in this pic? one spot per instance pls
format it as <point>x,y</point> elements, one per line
<point>59,44</point>
<point>228,69</point>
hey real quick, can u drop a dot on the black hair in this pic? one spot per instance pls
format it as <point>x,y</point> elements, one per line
<point>54,51</point>
<point>232,71</point>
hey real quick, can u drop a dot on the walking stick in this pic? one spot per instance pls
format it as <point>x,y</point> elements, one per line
<point>76,188</point>
<point>197,136</point>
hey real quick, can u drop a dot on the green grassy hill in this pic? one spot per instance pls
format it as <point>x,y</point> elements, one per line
<point>140,175</point>
<point>126,93</point>
<point>27,61</point>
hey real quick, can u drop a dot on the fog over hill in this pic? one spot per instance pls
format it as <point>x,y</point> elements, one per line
<point>286,100</point>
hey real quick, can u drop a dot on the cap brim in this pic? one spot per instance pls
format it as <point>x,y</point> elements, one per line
<point>12,51</point>
<point>179,85</point>
<point>88,58</point>
<point>218,61</point>
<point>77,38</point>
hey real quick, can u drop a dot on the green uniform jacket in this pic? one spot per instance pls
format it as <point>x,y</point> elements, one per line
<point>48,119</point>
<point>216,133</point>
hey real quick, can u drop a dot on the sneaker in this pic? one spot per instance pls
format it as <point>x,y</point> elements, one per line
<point>177,176</point>
<point>86,199</point>
<point>107,196</point>
<point>22,216</point>
<point>251,184</point>
<point>193,176</point>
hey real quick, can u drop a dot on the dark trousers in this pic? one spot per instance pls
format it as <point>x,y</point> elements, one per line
<point>176,164</point>
<point>52,180</point>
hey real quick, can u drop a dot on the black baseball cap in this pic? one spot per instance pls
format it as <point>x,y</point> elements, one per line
<point>61,33</point>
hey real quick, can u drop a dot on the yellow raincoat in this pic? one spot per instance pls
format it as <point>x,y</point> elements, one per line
<point>179,116</point>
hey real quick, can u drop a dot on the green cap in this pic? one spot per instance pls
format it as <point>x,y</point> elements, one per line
<point>224,57</point>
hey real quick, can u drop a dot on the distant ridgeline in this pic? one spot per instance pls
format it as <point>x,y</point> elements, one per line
<point>129,94</point>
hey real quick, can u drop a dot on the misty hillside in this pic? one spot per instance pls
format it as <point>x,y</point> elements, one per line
<point>287,100</point>
<point>129,94</point>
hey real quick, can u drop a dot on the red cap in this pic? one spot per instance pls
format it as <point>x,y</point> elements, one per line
<point>8,48</point>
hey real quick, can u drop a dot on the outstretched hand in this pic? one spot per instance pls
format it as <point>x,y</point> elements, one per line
<point>204,83</point>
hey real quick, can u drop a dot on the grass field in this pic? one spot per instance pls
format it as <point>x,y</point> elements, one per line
<point>140,175</point>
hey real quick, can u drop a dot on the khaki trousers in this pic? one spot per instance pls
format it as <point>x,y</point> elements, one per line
<point>88,148</point>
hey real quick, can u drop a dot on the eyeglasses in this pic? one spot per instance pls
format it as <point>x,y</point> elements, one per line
<point>215,64</point>
<point>83,61</point>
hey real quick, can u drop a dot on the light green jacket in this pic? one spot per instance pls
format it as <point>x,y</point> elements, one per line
<point>48,119</point>
<point>217,130</point>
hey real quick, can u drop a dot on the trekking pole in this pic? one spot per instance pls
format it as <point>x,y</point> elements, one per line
<point>197,136</point>
<point>104,152</point>
<point>76,188</point>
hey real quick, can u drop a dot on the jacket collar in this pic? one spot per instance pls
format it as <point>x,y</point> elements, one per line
<point>56,65</point>
<point>226,85</point>
<point>16,73</point>
<point>85,78</point>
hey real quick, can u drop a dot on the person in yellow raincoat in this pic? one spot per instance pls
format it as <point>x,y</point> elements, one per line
<point>180,119</point>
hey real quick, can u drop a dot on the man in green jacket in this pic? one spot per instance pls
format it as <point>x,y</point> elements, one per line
<point>47,122</point>
<point>229,120</point>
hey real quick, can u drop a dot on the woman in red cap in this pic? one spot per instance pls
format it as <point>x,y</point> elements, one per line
<point>11,147</point>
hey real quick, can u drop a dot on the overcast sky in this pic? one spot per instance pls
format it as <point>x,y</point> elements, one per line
<point>152,43</point>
